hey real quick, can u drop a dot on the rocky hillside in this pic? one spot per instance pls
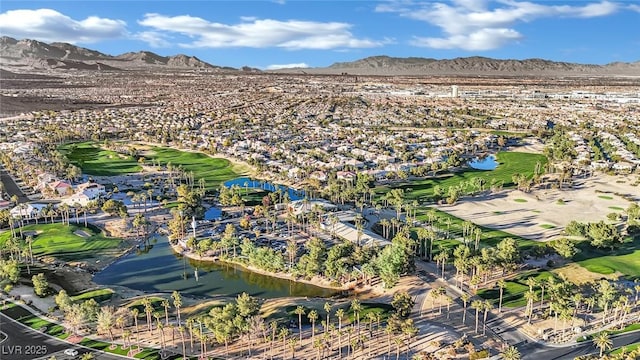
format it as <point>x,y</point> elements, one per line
<point>385,65</point>
<point>32,54</point>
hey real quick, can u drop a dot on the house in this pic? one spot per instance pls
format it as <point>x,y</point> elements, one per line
<point>60,187</point>
<point>27,211</point>
<point>91,189</point>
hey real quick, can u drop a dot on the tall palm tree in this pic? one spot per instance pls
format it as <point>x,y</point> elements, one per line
<point>313,316</point>
<point>148,309</point>
<point>356,307</point>
<point>165,304</point>
<point>327,309</point>
<point>501,285</point>
<point>340,315</point>
<point>465,300</point>
<point>477,305</point>
<point>177,303</point>
<point>134,314</point>
<point>486,307</point>
<point>299,311</point>
<point>603,342</point>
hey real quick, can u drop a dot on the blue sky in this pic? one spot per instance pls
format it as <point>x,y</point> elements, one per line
<point>269,34</point>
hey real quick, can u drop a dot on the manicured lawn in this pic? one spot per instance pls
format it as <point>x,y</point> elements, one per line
<point>625,259</point>
<point>510,163</point>
<point>515,289</point>
<point>98,295</point>
<point>519,200</point>
<point>213,170</point>
<point>616,208</point>
<point>628,328</point>
<point>95,161</point>
<point>627,349</point>
<point>605,197</point>
<point>489,236</point>
<point>547,226</point>
<point>628,264</point>
<point>59,240</point>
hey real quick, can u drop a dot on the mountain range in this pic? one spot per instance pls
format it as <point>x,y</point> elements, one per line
<point>35,55</point>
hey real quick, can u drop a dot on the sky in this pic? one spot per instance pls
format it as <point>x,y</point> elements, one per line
<point>314,33</point>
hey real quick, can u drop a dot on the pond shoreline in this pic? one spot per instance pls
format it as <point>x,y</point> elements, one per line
<point>352,288</point>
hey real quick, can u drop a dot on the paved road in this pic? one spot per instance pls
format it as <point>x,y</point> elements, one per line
<point>24,343</point>
<point>10,186</point>
<point>538,351</point>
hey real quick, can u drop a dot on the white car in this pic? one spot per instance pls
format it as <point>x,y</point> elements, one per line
<point>71,352</point>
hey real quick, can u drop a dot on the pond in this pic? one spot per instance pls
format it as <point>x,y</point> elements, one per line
<point>214,213</point>
<point>484,163</point>
<point>161,270</point>
<point>243,182</point>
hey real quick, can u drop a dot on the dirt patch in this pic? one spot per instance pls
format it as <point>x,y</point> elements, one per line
<point>579,275</point>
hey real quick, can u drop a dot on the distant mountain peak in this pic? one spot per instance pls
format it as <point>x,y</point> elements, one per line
<point>36,54</point>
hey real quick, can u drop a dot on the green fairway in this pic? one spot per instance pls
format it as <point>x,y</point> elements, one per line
<point>213,170</point>
<point>95,161</point>
<point>489,236</point>
<point>510,163</point>
<point>58,240</point>
<point>625,259</point>
<point>99,295</point>
<point>513,295</point>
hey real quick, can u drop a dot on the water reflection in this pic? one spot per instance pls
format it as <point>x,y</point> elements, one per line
<point>159,269</point>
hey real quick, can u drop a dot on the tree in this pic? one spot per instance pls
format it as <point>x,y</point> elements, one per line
<point>465,300</point>
<point>603,342</point>
<point>313,316</point>
<point>40,284</point>
<point>402,304</point>
<point>177,303</point>
<point>477,305</point>
<point>327,309</point>
<point>299,311</point>
<point>501,285</point>
<point>510,353</point>
<point>63,300</point>
<point>106,320</point>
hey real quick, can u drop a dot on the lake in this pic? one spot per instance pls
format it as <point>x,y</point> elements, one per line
<point>485,163</point>
<point>162,270</point>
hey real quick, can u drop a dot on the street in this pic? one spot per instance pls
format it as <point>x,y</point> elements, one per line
<point>24,343</point>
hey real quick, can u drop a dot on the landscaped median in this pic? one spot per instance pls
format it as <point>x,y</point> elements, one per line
<point>51,328</point>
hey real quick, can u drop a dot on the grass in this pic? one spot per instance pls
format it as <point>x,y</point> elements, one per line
<point>628,328</point>
<point>96,161</point>
<point>625,259</point>
<point>605,197</point>
<point>513,295</point>
<point>519,200</point>
<point>627,349</point>
<point>616,208</point>
<point>99,295</point>
<point>510,163</point>
<point>490,237</point>
<point>58,240</point>
<point>213,170</point>
<point>547,226</point>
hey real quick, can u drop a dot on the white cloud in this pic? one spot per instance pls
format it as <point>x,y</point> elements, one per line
<point>472,25</point>
<point>287,66</point>
<point>634,7</point>
<point>258,33</point>
<point>153,38</point>
<point>50,25</point>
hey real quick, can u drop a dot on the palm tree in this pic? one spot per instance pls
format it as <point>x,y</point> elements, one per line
<point>165,304</point>
<point>106,320</point>
<point>148,309</point>
<point>299,311</point>
<point>486,306</point>
<point>283,333</point>
<point>477,305</point>
<point>327,309</point>
<point>510,353</point>
<point>177,303</point>
<point>340,315</point>
<point>356,307</point>
<point>603,342</point>
<point>465,300</point>
<point>313,316</point>
<point>134,315</point>
<point>501,285</point>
